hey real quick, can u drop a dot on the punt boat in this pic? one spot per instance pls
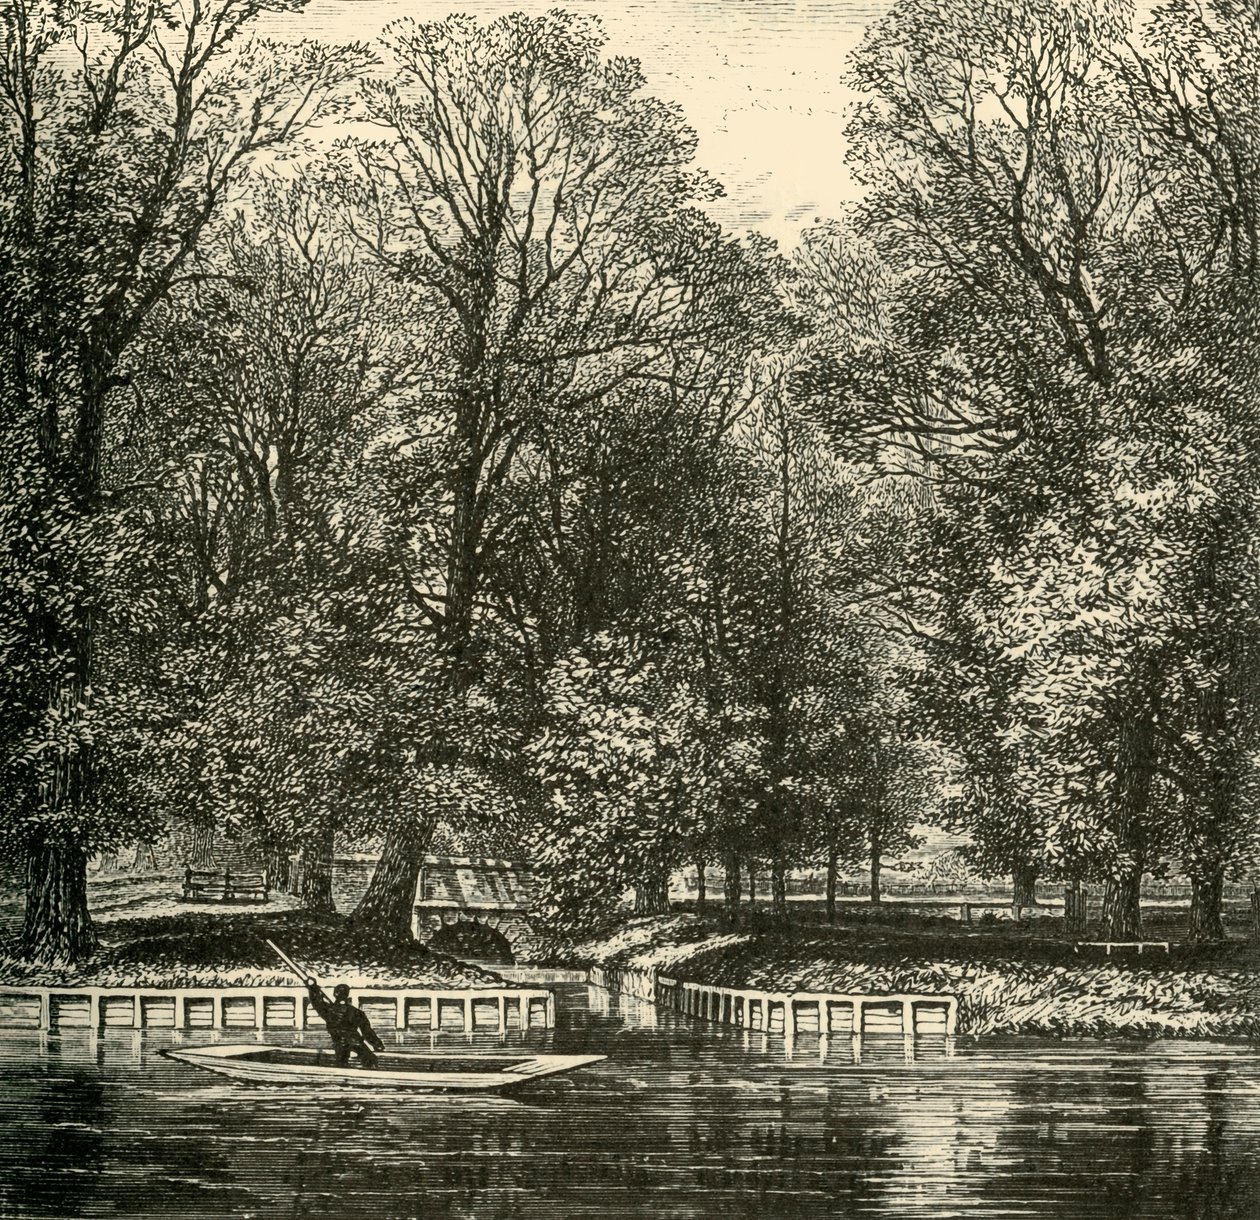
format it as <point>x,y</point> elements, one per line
<point>435,1072</point>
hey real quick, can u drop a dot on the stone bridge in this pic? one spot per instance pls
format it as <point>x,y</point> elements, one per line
<point>463,902</point>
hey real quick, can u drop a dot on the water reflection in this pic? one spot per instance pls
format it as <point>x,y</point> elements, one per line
<point>684,1119</point>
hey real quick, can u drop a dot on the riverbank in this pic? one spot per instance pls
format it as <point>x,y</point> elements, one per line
<point>196,949</point>
<point>1003,985</point>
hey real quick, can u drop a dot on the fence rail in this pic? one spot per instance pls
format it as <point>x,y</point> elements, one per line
<point>271,1008</point>
<point>788,1013</point>
<point>798,887</point>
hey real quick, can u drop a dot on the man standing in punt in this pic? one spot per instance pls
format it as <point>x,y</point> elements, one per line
<point>348,1027</point>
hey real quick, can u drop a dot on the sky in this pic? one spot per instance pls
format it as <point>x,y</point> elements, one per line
<point>759,80</point>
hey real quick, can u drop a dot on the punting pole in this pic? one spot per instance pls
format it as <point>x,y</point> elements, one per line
<point>288,961</point>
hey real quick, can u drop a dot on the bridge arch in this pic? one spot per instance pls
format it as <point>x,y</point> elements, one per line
<point>467,904</point>
<point>472,938</point>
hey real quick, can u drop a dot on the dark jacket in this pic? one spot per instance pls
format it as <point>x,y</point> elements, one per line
<point>347,1026</point>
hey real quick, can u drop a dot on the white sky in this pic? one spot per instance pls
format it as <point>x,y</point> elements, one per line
<point>759,80</point>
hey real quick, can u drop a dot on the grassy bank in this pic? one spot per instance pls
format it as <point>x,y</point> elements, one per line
<point>1003,984</point>
<point>192,949</point>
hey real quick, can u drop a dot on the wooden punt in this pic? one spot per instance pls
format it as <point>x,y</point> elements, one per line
<point>434,1072</point>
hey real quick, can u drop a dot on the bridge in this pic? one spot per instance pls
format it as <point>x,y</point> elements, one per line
<point>475,906</point>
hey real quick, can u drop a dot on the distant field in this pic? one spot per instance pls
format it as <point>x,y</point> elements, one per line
<point>977,897</point>
<point>1164,919</point>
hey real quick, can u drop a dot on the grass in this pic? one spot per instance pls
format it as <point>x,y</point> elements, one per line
<point>1008,978</point>
<point>1004,983</point>
<point>190,949</point>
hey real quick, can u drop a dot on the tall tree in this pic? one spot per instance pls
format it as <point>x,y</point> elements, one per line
<point>128,126</point>
<point>541,201</point>
<point>278,367</point>
<point>1045,239</point>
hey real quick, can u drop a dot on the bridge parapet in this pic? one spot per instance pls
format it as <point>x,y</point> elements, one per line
<point>497,894</point>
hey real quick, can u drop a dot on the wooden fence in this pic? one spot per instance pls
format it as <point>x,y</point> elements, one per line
<point>270,1008</point>
<point>788,1013</point>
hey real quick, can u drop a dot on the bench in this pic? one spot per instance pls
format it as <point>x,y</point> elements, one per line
<point>227,886</point>
<point>1139,945</point>
<point>967,909</point>
<point>198,883</point>
<point>245,885</point>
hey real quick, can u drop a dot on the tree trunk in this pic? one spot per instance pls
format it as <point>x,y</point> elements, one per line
<point>387,904</point>
<point>464,549</point>
<point>876,847</point>
<point>1135,751</point>
<point>1074,912</point>
<point>702,887</point>
<point>317,875</point>
<point>1024,882</point>
<point>1122,907</point>
<point>145,857</point>
<point>203,845</point>
<point>1209,831</point>
<point>651,895</point>
<point>279,870</point>
<point>731,888</point>
<point>1205,906</point>
<point>58,926</point>
<point>833,864</point>
<point>778,889</point>
<point>751,867</point>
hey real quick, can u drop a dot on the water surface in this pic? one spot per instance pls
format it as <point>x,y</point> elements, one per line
<point>683,1119</point>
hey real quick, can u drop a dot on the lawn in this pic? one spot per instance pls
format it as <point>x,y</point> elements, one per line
<point>225,947</point>
<point>1006,981</point>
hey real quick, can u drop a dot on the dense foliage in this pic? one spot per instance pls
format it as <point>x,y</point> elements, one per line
<point>473,483</point>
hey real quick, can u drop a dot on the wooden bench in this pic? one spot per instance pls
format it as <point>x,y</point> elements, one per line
<point>245,885</point>
<point>198,884</point>
<point>967,909</point>
<point>227,886</point>
<point>1139,945</point>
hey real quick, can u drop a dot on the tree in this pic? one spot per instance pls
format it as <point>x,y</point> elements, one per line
<point>278,368</point>
<point>624,763</point>
<point>1043,191</point>
<point>1191,79</point>
<point>541,203</point>
<point>129,127</point>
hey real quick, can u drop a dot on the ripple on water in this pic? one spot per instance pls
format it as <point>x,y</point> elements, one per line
<point>682,1120</point>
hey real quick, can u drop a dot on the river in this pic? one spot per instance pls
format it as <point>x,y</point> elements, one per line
<point>682,1119</point>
